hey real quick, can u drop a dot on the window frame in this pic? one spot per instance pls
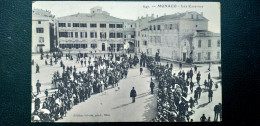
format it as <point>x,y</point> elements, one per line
<point>39,30</point>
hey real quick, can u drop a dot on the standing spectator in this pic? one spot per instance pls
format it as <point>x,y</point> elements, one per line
<point>196,95</point>
<point>37,68</point>
<point>46,93</point>
<point>38,85</point>
<point>191,87</point>
<point>198,78</point>
<point>37,103</point>
<point>208,119</point>
<point>199,91</point>
<point>191,101</point>
<point>203,118</point>
<point>206,84</point>
<point>195,69</point>
<point>180,66</point>
<point>152,86</point>
<point>210,64</point>
<point>141,70</point>
<point>217,110</point>
<point>209,77</point>
<point>133,94</point>
<point>210,95</point>
<point>191,74</point>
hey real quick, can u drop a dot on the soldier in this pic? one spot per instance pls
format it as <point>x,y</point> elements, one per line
<point>38,85</point>
<point>133,94</point>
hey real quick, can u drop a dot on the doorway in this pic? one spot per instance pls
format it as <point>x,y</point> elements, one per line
<point>103,47</point>
<point>184,57</point>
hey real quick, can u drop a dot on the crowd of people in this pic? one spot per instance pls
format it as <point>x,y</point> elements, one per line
<point>173,104</point>
<point>76,86</point>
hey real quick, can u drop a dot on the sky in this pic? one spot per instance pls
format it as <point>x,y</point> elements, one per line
<point>131,10</point>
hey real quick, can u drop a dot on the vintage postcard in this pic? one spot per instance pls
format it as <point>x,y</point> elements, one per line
<point>100,61</point>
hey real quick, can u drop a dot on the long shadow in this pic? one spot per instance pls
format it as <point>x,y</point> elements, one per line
<point>123,105</point>
<point>143,95</point>
<point>217,78</point>
<point>202,105</point>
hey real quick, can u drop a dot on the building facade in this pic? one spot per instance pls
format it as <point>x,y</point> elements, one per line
<point>174,36</point>
<point>171,35</point>
<point>43,31</point>
<point>207,47</point>
<point>141,33</point>
<point>96,31</point>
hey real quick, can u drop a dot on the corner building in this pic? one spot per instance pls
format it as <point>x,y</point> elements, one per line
<point>43,31</point>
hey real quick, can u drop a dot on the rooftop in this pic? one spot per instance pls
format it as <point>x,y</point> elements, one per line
<point>178,16</point>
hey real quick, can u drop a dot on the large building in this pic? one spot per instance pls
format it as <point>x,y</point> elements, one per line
<point>95,31</point>
<point>173,36</point>
<point>43,35</point>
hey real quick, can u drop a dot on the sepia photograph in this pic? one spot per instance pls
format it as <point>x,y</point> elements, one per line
<point>122,61</point>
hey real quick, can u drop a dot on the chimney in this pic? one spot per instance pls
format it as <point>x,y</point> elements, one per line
<point>152,15</point>
<point>138,17</point>
<point>201,13</point>
<point>157,16</point>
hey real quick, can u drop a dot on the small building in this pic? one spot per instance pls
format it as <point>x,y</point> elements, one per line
<point>43,33</point>
<point>206,47</point>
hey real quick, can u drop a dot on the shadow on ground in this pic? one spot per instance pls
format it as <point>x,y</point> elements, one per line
<point>202,105</point>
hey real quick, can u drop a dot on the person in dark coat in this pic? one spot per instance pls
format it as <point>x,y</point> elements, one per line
<point>37,103</point>
<point>199,91</point>
<point>133,94</point>
<point>141,70</point>
<point>210,95</point>
<point>217,111</point>
<point>196,95</point>
<point>191,87</point>
<point>203,118</point>
<point>38,85</point>
<point>152,86</point>
<point>209,77</point>
<point>180,66</point>
<point>206,84</point>
<point>198,78</point>
<point>46,93</point>
<point>37,68</point>
<point>195,69</point>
